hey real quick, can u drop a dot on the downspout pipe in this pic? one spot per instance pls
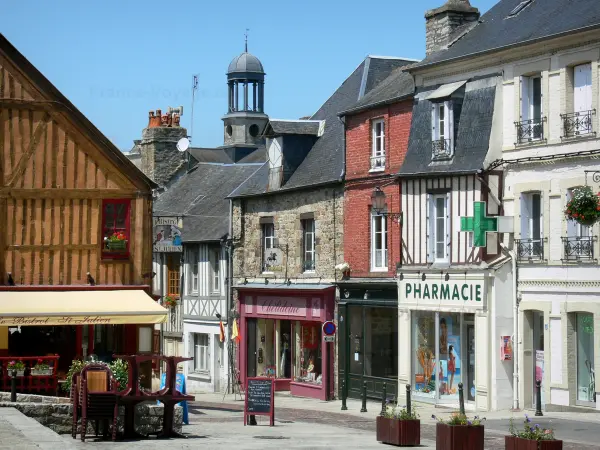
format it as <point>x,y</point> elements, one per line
<point>343,173</point>
<point>229,299</point>
<point>513,257</point>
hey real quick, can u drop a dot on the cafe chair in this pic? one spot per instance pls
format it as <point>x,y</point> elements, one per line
<point>98,397</point>
<point>74,395</point>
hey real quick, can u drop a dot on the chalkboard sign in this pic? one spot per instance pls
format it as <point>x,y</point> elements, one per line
<point>259,398</point>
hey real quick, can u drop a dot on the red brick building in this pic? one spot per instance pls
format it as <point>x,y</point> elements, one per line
<point>377,131</point>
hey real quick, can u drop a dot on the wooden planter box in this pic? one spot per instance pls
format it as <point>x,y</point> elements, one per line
<point>398,432</point>
<point>516,443</point>
<point>458,437</point>
<point>117,245</point>
<point>39,373</point>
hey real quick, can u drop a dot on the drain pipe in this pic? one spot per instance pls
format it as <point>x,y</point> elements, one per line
<point>513,258</point>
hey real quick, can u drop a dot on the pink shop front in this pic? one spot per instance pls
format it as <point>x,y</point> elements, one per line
<point>281,337</point>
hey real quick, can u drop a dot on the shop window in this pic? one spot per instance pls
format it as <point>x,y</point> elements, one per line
<point>115,229</point>
<point>173,275</point>
<point>308,232</point>
<point>308,369</point>
<point>379,257</point>
<point>215,267</point>
<point>201,352</point>
<point>193,261</point>
<point>586,383</point>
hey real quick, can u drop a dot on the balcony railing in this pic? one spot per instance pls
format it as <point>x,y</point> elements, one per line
<point>578,248</point>
<point>377,162</point>
<point>530,130</point>
<point>530,249</point>
<point>441,149</point>
<point>577,123</point>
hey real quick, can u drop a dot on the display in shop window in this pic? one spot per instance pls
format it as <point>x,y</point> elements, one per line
<point>310,355</point>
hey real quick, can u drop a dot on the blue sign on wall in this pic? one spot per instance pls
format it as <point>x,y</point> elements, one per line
<point>180,384</point>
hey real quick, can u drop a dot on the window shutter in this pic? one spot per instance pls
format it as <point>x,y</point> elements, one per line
<point>430,218</point>
<point>524,98</point>
<point>448,227</point>
<point>434,122</point>
<point>449,112</point>
<point>525,216</point>
<point>542,216</point>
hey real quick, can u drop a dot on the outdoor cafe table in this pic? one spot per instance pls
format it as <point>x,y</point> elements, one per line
<point>169,396</point>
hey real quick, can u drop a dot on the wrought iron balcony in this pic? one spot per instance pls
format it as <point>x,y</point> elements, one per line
<point>377,162</point>
<point>578,248</point>
<point>530,249</point>
<point>308,266</point>
<point>577,123</point>
<point>441,149</point>
<point>530,130</point>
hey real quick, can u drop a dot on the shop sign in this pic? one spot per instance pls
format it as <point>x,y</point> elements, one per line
<point>479,224</point>
<point>167,234</point>
<point>460,294</point>
<point>281,306</point>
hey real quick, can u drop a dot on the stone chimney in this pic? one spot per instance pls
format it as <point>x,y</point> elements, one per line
<point>444,24</point>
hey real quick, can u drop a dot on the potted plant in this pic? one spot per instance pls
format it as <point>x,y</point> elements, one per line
<point>170,302</point>
<point>116,241</point>
<point>459,433</point>
<point>41,368</point>
<point>18,365</point>
<point>345,269</point>
<point>584,206</point>
<point>531,437</point>
<point>399,426</point>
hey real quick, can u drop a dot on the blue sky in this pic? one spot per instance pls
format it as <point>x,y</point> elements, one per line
<point>118,59</point>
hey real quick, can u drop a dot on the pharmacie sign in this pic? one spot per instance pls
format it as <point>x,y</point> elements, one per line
<point>459,293</point>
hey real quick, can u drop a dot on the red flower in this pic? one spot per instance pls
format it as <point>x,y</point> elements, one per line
<point>40,361</point>
<point>575,215</point>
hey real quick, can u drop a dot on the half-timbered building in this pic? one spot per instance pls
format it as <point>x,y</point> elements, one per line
<point>75,229</point>
<point>454,286</point>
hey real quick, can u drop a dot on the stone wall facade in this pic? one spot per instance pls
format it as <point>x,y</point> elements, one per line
<point>56,413</point>
<point>286,210</point>
<point>160,159</point>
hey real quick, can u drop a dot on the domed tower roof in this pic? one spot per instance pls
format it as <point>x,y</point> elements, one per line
<point>245,63</point>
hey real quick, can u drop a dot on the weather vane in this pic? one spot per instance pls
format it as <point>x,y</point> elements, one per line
<point>246,34</point>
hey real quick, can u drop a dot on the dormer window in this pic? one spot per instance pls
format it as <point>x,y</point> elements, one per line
<point>378,145</point>
<point>442,130</point>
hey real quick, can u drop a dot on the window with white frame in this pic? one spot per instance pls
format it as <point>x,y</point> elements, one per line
<point>308,238</point>
<point>579,241</point>
<point>215,266</point>
<point>579,123</point>
<point>201,352</point>
<point>442,121</point>
<point>439,228</point>
<point>530,127</point>
<point>268,243</point>
<point>530,244</point>
<point>378,144</point>
<point>193,270</point>
<point>379,244</point>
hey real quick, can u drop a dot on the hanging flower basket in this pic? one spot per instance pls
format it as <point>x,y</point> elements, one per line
<point>584,206</point>
<point>170,302</point>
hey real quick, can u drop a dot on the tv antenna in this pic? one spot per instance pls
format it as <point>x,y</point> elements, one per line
<point>194,89</point>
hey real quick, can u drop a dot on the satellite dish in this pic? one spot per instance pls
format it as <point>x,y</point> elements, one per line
<point>183,144</point>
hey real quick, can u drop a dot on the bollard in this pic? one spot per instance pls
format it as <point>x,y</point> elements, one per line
<point>538,398</point>
<point>364,397</point>
<point>13,387</point>
<point>383,399</point>
<point>344,394</point>
<point>408,406</point>
<point>461,398</point>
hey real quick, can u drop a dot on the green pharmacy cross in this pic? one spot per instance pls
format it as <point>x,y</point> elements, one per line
<point>479,224</point>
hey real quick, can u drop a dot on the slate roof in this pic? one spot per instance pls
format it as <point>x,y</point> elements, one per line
<point>325,160</point>
<point>541,19</point>
<point>220,155</point>
<point>277,127</point>
<point>200,196</point>
<point>399,84</point>
<point>472,137</point>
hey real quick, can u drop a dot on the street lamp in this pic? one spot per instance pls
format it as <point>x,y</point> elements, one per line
<point>378,205</point>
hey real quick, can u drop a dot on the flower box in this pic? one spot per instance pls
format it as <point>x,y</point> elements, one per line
<point>117,245</point>
<point>517,443</point>
<point>41,372</point>
<point>398,432</point>
<point>20,373</point>
<point>459,437</point>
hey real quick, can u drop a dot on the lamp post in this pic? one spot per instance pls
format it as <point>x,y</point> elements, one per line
<point>378,204</point>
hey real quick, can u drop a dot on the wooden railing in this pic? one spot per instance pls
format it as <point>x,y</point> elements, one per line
<point>28,379</point>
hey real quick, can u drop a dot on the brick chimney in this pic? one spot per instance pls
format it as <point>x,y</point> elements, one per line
<point>444,24</point>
